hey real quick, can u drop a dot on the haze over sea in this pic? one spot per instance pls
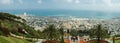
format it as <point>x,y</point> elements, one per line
<point>76,13</point>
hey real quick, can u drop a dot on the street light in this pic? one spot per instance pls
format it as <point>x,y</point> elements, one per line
<point>113,36</point>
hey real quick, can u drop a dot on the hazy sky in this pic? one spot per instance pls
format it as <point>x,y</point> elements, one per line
<point>100,5</point>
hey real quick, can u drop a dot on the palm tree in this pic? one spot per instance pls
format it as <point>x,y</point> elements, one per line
<point>61,31</point>
<point>73,32</point>
<point>51,32</point>
<point>113,37</point>
<point>37,35</point>
<point>99,33</point>
<point>40,34</point>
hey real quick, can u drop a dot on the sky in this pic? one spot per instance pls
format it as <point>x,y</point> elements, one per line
<point>98,5</point>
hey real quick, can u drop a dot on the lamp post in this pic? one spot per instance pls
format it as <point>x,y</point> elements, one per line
<point>114,37</point>
<point>114,34</point>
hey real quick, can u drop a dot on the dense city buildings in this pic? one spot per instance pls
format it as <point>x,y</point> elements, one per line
<point>69,22</point>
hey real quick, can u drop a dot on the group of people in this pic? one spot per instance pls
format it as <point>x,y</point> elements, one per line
<point>73,38</point>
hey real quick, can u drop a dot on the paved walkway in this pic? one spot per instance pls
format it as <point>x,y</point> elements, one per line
<point>21,37</point>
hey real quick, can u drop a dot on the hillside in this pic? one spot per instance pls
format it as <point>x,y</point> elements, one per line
<point>13,25</point>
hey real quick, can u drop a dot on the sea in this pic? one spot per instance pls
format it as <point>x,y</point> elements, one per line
<point>76,13</point>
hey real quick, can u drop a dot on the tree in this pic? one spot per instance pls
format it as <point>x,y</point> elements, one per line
<point>99,33</point>
<point>13,24</point>
<point>40,34</point>
<point>61,31</point>
<point>50,32</point>
<point>73,32</point>
<point>10,17</point>
<point>8,22</point>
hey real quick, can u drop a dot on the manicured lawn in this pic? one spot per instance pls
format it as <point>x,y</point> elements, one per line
<point>117,41</point>
<point>95,41</point>
<point>4,39</point>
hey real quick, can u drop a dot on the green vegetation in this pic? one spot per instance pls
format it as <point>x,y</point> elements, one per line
<point>99,32</point>
<point>4,39</point>
<point>93,42</point>
<point>73,32</point>
<point>51,32</point>
<point>61,31</point>
<point>117,41</point>
<point>11,24</point>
